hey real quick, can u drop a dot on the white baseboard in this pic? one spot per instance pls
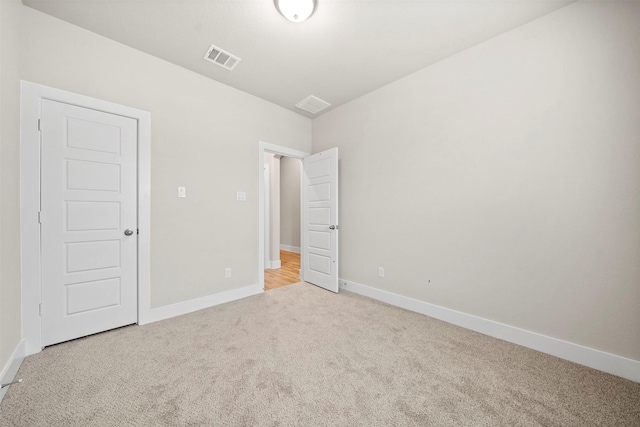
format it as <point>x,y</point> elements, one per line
<point>272,265</point>
<point>596,359</point>
<point>276,264</point>
<point>177,309</point>
<point>290,248</point>
<point>10,370</point>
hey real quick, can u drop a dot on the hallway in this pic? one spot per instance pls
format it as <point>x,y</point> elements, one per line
<point>288,274</point>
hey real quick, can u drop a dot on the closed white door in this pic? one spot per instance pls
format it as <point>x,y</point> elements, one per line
<point>89,221</point>
<point>320,219</point>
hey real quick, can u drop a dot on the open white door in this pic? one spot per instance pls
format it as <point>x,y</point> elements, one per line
<point>89,221</point>
<point>320,219</point>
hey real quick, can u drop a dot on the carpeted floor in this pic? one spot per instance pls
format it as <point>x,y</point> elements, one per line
<point>302,356</point>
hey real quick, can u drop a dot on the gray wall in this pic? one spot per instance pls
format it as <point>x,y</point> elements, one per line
<point>290,202</point>
<point>508,175</point>
<point>204,137</point>
<point>10,25</point>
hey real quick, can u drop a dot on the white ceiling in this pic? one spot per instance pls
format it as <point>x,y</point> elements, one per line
<point>346,49</point>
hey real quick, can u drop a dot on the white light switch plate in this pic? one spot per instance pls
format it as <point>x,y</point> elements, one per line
<point>242,196</point>
<point>182,192</point>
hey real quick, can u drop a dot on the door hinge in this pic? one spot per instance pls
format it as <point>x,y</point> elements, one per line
<point>39,217</point>
<point>39,125</point>
<point>40,309</point>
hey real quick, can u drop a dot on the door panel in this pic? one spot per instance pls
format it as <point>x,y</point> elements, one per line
<point>319,215</point>
<point>97,294</point>
<point>92,176</point>
<point>87,216</point>
<point>88,199</point>
<point>91,256</point>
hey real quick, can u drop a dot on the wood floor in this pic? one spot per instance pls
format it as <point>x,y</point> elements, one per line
<point>288,274</point>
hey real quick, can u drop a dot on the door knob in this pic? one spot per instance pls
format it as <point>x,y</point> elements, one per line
<point>334,227</point>
<point>128,232</point>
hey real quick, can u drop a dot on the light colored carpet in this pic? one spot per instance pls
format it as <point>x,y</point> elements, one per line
<point>302,356</point>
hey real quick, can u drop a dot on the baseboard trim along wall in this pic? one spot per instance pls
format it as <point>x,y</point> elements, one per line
<point>180,308</point>
<point>10,370</point>
<point>290,248</point>
<point>275,264</point>
<point>596,359</point>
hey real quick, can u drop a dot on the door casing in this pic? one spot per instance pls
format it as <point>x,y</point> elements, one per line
<point>284,151</point>
<point>32,95</point>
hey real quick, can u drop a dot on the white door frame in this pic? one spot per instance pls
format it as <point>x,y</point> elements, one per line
<point>267,215</point>
<point>32,95</point>
<point>284,151</point>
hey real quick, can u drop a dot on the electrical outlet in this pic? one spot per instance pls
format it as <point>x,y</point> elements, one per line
<point>380,272</point>
<point>227,272</point>
<point>182,192</point>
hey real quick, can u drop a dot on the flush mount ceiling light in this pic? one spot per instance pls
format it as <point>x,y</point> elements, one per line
<point>295,10</point>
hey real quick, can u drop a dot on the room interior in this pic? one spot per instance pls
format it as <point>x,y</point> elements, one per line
<point>488,160</point>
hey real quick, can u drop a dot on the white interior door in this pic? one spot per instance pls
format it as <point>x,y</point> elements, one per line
<point>89,221</point>
<point>320,219</point>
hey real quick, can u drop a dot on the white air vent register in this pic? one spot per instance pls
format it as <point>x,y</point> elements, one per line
<point>312,104</point>
<point>221,58</point>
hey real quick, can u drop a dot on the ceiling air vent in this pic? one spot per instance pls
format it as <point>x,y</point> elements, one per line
<point>221,58</point>
<point>312,104</point>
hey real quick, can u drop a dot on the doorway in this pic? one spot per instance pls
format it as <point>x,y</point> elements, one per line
<point>279,259</point>
<point>282,220</point>
<point>319,215</point>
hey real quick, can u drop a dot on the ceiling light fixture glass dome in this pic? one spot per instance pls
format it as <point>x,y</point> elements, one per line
<point>296,10</point>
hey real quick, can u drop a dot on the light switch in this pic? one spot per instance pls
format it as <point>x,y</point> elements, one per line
<point>182,192</point>
<point>242,196</point>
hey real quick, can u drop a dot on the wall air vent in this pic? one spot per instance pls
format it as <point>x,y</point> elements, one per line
<point>312,104</point>
<point>221,58</point>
